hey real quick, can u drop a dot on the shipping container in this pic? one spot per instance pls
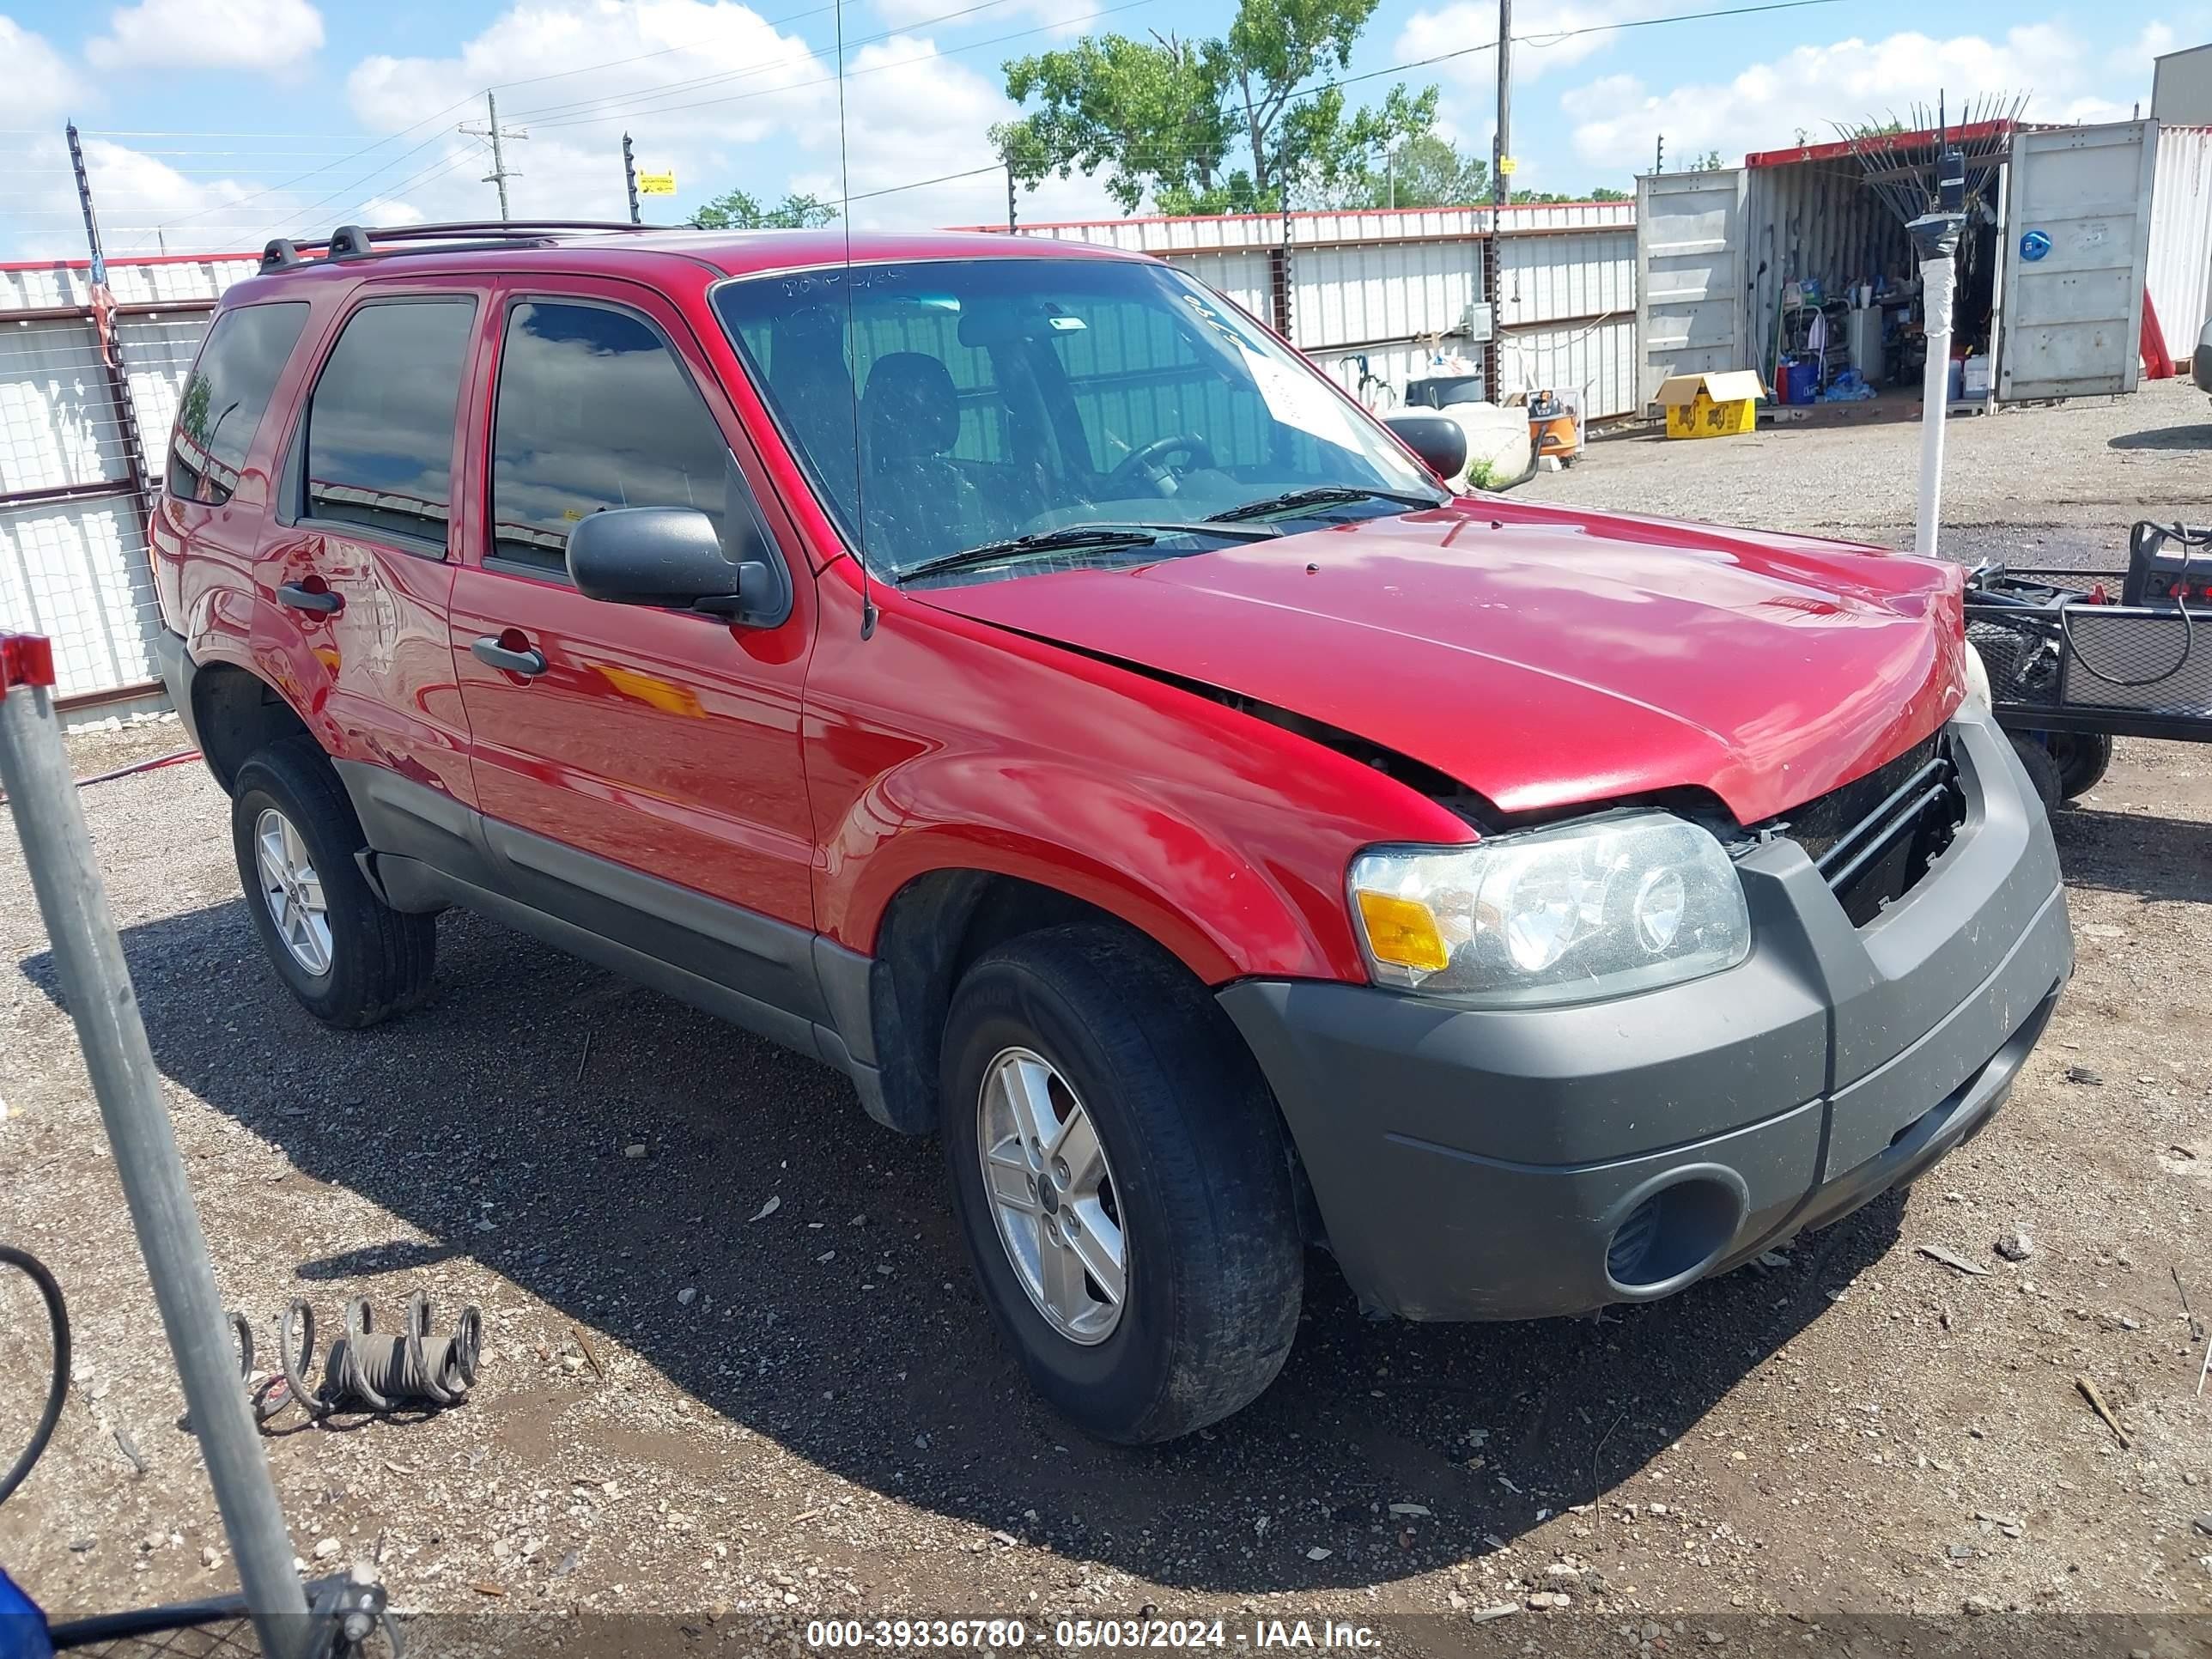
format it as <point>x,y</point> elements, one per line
<point>1738,266</point>
<point>2181,237</point>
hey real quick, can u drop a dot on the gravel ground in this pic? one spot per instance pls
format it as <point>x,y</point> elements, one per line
<point>2057,477</point>
<point>735,1363</point>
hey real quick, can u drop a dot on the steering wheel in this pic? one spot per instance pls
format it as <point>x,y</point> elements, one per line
<point>1146,467</point>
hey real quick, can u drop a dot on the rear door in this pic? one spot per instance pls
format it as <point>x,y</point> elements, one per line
<point>1690,287</point>
<point>357,569</point>
<point>646,756</point>
<point>2077,248</point>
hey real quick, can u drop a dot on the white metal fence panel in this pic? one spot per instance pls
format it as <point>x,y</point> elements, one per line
<point>157,354</point>
<point>58,423</point>
<point>68,282</point>
<point>1597,360</point>
<point>2181,236</point>
<point>77,573</point>
<point>1368,295</point>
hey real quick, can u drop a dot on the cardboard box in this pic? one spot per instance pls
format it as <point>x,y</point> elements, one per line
<point>1711,405</point>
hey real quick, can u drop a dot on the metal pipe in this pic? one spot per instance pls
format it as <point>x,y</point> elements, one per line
<point>1935,235</point>
<point>35,770</point>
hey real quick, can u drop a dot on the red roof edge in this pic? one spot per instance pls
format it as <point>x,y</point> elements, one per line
<point>1844,149</point>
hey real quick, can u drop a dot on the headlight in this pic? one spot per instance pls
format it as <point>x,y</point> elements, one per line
<point>1599,909</point>
<point>1977,682</point>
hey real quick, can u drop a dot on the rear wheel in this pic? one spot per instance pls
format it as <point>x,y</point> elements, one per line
<point>1120,1171</point>
<point>348,957</point>
<point>2042,770</point>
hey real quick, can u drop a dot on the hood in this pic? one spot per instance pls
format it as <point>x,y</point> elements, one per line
<point>1541,658</point>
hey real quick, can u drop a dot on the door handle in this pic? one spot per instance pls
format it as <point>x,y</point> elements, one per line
<point>490,653</point>
<point>319,600</point>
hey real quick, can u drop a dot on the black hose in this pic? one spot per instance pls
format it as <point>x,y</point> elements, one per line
<point>57,1393</point>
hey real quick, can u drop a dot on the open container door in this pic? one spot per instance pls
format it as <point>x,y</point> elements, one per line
<point>2076,247</point>
<point>1689,289</point>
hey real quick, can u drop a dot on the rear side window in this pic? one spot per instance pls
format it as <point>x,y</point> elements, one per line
<point>380,423</point>
<point>594,410</point>
<point>225,396</point>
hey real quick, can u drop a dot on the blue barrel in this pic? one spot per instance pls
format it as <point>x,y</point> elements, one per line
<point>1802,376</point>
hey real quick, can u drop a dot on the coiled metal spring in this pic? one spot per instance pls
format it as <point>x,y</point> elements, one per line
<point>367,1369</point>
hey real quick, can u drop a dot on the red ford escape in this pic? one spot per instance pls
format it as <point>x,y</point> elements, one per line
<point>1003,671</point>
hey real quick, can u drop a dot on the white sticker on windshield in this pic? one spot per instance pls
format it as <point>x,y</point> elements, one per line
<point>1295,399</point>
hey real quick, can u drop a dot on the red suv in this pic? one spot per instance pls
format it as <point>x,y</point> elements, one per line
<point>1003,671</point>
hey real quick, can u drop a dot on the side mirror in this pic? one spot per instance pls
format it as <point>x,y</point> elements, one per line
<point>1437,442</point>
<point>673,556</point>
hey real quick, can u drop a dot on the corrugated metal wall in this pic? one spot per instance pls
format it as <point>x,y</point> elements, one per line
<point>1817,219</point>
<point>73,563</point>
<point>2181,236</point>
<point>1392,287</point>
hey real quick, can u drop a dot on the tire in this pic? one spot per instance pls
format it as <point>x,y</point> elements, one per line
<point>2042,770</point>
<point>1198,1181</point>
<point>2082,759</point>
<point>375,961</point>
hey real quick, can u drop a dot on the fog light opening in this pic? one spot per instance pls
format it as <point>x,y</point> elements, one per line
<point>1675,1232</point>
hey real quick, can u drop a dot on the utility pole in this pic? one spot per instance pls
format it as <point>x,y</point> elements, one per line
<point>499,174</point>
<point>1501,195</point>
<point>629,179</point>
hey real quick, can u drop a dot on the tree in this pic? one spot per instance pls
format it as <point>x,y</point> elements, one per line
<point>1607,194</point>
<point>1423,171</point>
<point>1237,123</point>
<point>1709,162</point>
<point>740,211</point>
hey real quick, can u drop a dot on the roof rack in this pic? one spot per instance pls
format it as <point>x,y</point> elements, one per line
<point>461,236</point>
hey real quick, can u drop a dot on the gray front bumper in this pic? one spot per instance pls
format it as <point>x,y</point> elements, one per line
<point>1475,1163</point>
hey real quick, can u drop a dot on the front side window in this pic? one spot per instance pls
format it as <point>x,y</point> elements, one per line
<point>594,411</point>
<point>379,450</point>
<point>941,406</point>
<point>225,396</point>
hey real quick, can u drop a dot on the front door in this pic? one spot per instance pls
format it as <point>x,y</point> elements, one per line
<point>631,762</point>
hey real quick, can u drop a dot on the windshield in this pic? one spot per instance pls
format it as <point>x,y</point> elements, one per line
<point>972,402</point>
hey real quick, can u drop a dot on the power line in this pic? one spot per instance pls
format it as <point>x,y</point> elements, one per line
<point>697,81</point>
<point>873,69</point>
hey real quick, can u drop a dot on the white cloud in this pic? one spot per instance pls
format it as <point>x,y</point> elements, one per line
<point>141,200</point>
<point>1764,106</point>
<point>1551,39</point>
<point>41,85</point>
<point>168,34</point>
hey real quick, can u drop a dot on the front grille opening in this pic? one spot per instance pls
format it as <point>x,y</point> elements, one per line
<point>1873,839</point>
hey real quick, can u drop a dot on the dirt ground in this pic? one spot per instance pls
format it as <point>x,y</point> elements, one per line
<point>735,1363</point>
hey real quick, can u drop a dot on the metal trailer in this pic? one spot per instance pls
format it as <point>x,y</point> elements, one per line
<point>2076,658</point>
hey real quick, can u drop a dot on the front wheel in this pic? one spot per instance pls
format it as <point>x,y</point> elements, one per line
<point>1120,1171</point>
<point>347,955</point>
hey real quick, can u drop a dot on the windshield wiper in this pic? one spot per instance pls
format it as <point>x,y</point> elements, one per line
<point>1319,495</point>
<point>1073,536</point>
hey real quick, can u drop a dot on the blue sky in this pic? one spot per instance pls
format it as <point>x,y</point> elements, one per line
<point>215,123</point>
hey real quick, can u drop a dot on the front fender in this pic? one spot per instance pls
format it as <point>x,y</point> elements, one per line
<point>1135,852</point>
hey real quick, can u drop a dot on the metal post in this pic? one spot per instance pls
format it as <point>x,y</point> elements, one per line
<point>1935,236</point>
<point>1009,199</point>
<point>629,179</point>
<point>1501,196</point>
<point>34,769</point>
<point>111,349</point>
<point>1659,156</point>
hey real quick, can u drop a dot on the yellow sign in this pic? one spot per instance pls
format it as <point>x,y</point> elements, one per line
<point>657,184</point>
<point>1507,166</point>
